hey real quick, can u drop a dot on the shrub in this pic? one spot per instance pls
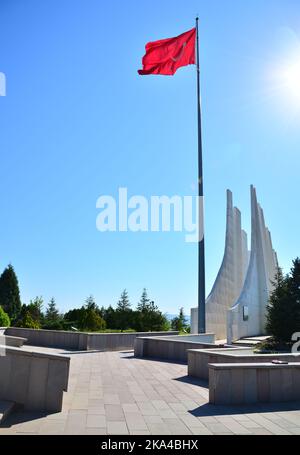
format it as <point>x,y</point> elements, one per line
<point>283,311</point>
<point>27,322</point>
<point>4,318</point>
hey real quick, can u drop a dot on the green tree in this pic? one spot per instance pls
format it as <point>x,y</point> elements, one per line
<point>74,318</point>
<point>26,321</point>
<point>92,321</point>
<point>124,303</point>
<point>86,318</point>
<point>90,303</point>
<point>10,293</point>
<point>283,310</point>
<point>144,303</point>
<point>35,308</point>
<point>179,322</point>
<point>124,313</point>
<point>109,315</point>
<point>4,318</point>
<point>52,320</point>
<point>148,316</point>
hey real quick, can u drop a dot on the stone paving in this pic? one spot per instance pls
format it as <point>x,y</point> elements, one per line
<point>115,393</point>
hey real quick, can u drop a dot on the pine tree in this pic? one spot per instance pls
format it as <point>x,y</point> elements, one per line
<point>124,312</point>
<point>144,302</point>
<point>10,293</point>
<point>179,323</point>
<point>90,303</point>
<point>52,314</point>
<point>148,316</point>
<point>123,303</point>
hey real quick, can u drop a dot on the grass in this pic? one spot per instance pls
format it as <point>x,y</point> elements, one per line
<point>272,346</point>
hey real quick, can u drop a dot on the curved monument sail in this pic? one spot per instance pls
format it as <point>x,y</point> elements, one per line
<point>248,315</point>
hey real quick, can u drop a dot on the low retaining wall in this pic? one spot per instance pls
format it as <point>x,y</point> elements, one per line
<point>15,342</point>
<point>170,348</point>
<point>51,338</point>
<point>35,380</point>
<point>238,384</point>
<point>81,341</point>
<point>199,360</point>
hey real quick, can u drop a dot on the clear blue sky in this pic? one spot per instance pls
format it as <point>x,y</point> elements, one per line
<point>78,122</point>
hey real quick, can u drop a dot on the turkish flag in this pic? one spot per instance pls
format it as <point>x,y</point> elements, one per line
<point>167,55</point>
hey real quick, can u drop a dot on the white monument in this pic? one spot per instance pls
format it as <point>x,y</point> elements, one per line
<point>236,306</point>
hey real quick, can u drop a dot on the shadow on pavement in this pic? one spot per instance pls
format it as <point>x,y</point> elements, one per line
<point>213,410</point>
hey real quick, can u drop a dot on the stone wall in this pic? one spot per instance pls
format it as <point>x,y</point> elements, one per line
<point>169,349</point>
<point>199,360</point>
<point>34,380</point>
<point>239,384</point>
<point>81,341</point>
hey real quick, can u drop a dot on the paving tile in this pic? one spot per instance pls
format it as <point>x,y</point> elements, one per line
<point>160,405</point>
<point>111,398</point>
<point>176,426</point>
<point>96,421</point>
<point>132,407</point>
<point>261,431</point>
<point>158,429</point>
<point>269,425</point>
<point>153,419</point>
<point>201,431</point>
<point>110,394</point>
<point>114,412</point>
<point>135,421</point>
<point>117,428</point>
<point>218,428</point>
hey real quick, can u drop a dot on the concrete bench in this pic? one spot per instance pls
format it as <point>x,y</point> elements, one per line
<point>199,359</point>
<point>250,383</point>
<point>32,379</point>
<point>172,348</point>
<point>14,342</point>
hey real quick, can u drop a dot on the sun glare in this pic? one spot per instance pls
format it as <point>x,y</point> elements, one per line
<point>291,79</point>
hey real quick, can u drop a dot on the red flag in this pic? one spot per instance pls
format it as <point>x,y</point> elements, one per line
<point>167,55</point>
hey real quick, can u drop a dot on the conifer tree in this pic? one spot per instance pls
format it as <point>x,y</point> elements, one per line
<point>179,322</point>
<point>10,293</point>
<point>123,303</point>
<point>283,310</point>
<point>52,320</point>
<point>124,312</point>
<point>144,302</point>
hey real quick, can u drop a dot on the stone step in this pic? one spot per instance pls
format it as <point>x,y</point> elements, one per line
<point>250,341</point>
<point>6,407</point>
<point>259,339</point>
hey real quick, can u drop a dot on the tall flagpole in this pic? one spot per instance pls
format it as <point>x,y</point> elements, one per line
<point>201,249</point>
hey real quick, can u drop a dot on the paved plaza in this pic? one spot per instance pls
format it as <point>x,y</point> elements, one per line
<point>115,393</point>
